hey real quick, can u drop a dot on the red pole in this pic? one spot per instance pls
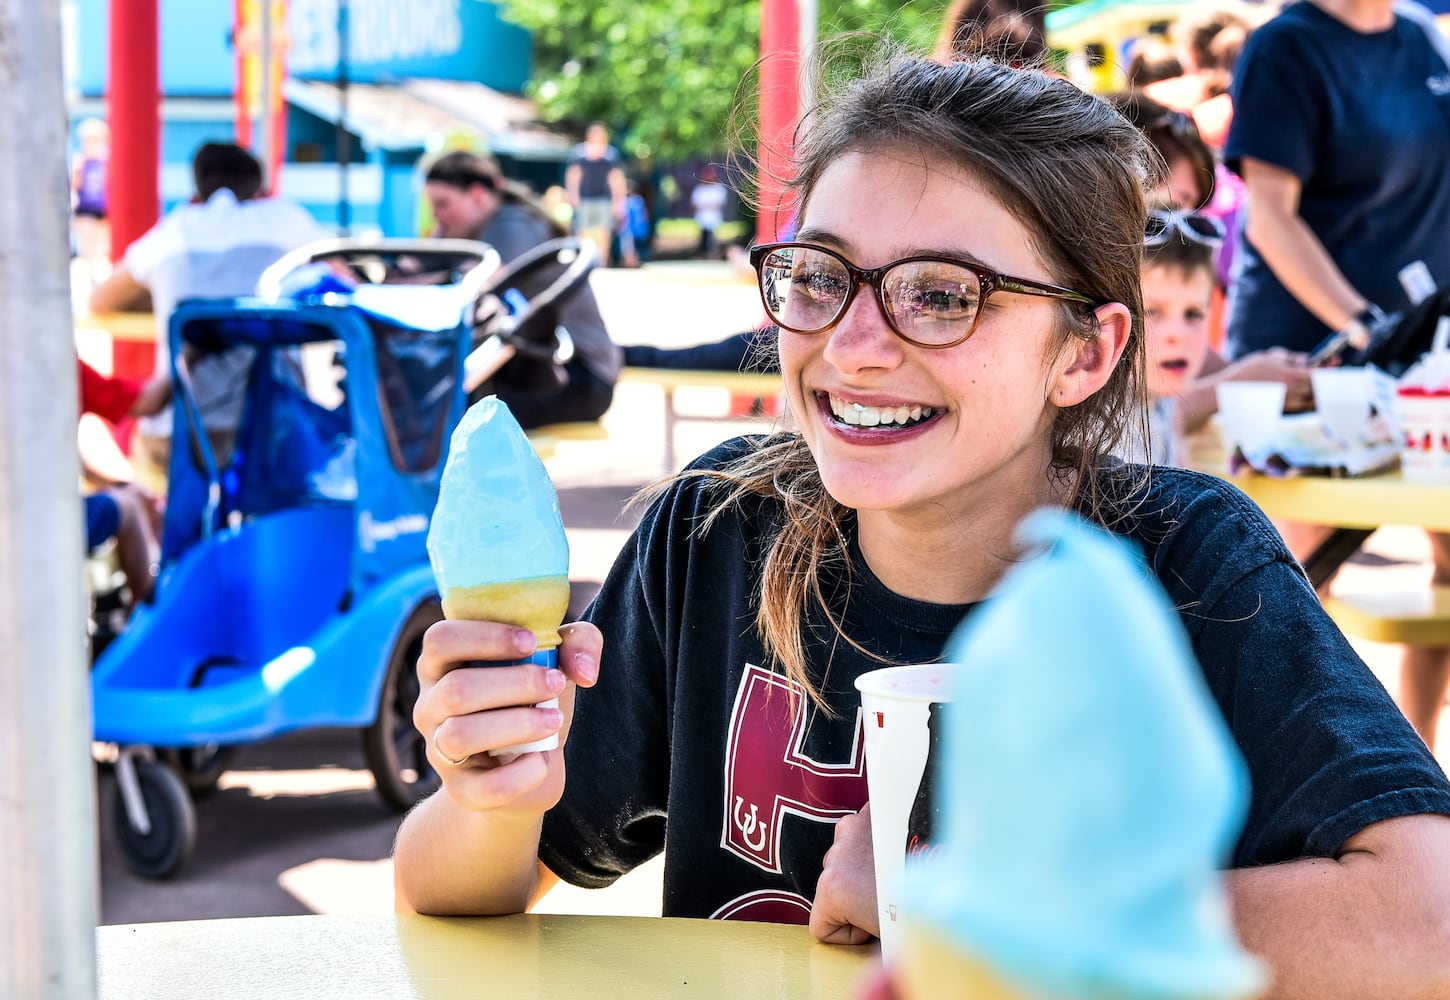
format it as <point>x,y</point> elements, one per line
<point>134,90</point>
<point>779,109</point>
<point>240,41</point>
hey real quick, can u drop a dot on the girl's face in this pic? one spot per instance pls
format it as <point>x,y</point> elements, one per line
<point>1175,313</point>
<point>900,429</point>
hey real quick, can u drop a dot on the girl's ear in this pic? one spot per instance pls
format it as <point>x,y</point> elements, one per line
<point>1087,364</point>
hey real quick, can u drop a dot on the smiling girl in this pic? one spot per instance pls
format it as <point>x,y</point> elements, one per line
<point>961,344</point>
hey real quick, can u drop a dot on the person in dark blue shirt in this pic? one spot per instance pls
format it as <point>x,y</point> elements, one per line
<point>1342,134</point>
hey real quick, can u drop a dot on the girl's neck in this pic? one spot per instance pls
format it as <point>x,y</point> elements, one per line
<point>1364,16</point>
<point>945,559</point>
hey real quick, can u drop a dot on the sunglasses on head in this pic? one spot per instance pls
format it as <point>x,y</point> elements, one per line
<point>1179,124</point>
<point>1190,227</point>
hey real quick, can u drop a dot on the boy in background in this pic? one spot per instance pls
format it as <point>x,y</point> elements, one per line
<point>1182,373</point>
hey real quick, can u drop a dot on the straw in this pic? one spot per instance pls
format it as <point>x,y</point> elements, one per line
<point>1441,340</point>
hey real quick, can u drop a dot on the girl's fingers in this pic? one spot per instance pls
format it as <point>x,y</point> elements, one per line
<point>579,653</point>
<point>470,737</point>
<point>497,783</point>
<point>466,690</point>
<point>450,644</point>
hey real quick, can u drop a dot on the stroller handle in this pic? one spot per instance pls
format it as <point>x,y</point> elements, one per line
<point>498,340</point>
<point>481,260</point>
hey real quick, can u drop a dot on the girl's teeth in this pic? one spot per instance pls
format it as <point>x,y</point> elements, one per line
<point>858,415</point>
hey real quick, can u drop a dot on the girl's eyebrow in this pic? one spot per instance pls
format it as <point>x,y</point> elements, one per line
<point>829,239</point>
<point>825,237</point>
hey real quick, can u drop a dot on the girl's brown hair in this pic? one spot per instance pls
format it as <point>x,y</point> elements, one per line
<point>1073,171</point>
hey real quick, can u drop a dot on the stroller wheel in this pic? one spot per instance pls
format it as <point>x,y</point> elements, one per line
<point>162,847</point>
<point>396,752</point>
<point>199,768</point>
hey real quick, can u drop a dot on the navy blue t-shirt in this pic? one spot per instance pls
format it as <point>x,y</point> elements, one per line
<point>692,744</point>
<point>1363,120</point>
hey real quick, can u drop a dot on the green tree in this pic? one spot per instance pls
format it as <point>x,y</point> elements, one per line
<point>664,73</point>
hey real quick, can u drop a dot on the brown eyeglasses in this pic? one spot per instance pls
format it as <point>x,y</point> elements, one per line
<point>930,301</point>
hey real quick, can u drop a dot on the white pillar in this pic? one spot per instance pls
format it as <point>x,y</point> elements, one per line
<point>48,902</point>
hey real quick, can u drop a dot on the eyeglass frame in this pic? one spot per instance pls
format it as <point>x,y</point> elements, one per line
<point>990,281</point>
<point>1176,221</point>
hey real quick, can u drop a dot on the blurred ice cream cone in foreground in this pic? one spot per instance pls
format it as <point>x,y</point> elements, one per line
<point>1090,794</point>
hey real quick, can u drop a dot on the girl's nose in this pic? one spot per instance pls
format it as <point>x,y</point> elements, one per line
<point>862,338</point>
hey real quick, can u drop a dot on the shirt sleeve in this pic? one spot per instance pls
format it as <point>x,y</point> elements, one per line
<point>145,255</point>
<point>1328,751</point>
<point>1277,98</point>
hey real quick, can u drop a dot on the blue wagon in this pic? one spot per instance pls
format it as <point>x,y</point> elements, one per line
<point>295,588</point>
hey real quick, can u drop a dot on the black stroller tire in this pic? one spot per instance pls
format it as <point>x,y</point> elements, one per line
<point>199,768</point>
<point>396,752</point>
<point>160,853</point>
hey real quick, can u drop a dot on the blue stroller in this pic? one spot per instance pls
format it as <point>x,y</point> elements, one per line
<point>295,588</point>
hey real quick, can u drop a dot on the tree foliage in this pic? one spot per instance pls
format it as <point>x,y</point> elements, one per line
<point>664,74</point>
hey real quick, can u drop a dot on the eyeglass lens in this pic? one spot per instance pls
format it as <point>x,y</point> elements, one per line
<point>927,301</point>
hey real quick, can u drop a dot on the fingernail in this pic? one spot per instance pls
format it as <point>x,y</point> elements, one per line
<point>586,667</point>
<point>554,680</point>
<point>524,640</point>
<point>553,718</point>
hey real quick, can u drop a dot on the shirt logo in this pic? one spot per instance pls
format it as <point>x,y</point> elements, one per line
<point>767,775</point>
<point>1438,85</point>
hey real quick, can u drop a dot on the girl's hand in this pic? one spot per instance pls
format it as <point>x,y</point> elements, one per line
<point>464,710</point>
<point>844,911</point>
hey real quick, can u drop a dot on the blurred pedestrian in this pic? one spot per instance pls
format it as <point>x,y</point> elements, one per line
<point>215,246</point>
<point>1013,31</point>
<point>1210,43</point>
<point>90,176</point>
<point>472,200</point>
<point>596,187</point>
<point>635,229</point>
<point>707,201</point>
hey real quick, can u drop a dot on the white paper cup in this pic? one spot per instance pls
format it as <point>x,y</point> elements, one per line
<point>1342,400</point>
<point>901,724</point>
<point>1424,438</point>
<point>1249,413</point>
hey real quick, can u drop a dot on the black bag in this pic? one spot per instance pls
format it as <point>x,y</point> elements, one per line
<point>1404,343</point>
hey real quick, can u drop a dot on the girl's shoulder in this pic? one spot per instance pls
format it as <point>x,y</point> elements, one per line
<point>1200,534</point>
<point>731,480</point>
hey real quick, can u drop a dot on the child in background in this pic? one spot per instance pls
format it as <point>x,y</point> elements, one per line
<point>1178,287</point>
<point>1182,372</point>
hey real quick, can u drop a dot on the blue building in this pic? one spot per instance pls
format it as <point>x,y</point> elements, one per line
<point>411,76</point>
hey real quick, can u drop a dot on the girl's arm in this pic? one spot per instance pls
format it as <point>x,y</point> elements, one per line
<point>1371,923</point>
<point>472,847</point>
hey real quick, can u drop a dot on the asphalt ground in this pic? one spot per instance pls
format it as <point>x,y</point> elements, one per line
<point>295,826</point>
